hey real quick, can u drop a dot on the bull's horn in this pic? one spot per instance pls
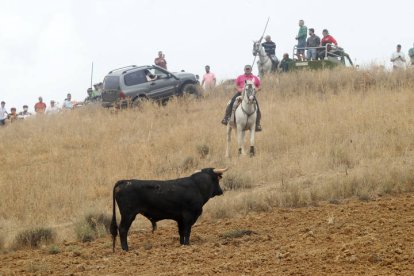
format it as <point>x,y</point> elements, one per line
<point>197,171</point>
<point>220,171</point>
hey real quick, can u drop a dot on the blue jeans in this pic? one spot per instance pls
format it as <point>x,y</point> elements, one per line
<point>311,54</point>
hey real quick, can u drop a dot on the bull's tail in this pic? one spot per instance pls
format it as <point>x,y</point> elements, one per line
<point>114,226</point>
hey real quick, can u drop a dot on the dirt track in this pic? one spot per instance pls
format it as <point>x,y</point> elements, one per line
<point>355,237</point>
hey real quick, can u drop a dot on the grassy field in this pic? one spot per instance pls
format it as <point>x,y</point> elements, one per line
<point>328,135</point>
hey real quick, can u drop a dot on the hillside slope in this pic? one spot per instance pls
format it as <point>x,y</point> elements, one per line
<point>349,237</point>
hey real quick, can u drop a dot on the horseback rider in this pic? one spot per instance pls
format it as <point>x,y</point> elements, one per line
<point>239,87</point>
<point>270,49</point>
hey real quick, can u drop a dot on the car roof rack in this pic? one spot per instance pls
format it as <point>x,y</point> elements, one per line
<point>129,66</point>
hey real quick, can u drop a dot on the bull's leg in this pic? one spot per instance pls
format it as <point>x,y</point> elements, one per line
<point>187,235</point>
<point>181,231</point>
<point>228,140</point>
<point>154,226</point>
<point>126,221</point>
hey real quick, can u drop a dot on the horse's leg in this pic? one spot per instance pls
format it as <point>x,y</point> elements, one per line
<point>252,132</point>
<point>228,140</point>
<point>240,133</point>
<point>242,142</point>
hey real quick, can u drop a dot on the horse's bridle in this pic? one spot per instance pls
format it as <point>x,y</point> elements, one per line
<point>250,91</point>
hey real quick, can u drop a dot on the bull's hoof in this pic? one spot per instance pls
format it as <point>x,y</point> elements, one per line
<point>252,151</point>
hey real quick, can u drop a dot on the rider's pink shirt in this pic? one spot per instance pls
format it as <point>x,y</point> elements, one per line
<point>240,81</point>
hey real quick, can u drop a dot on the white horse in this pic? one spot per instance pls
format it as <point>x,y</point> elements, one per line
<point>264,64</point>
<point>245,119</point>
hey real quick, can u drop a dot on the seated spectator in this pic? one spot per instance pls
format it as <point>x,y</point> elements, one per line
<point>40,107</point>
<point>326,42</point>
<point>25,113</point>
<point>53,108</point>
<point>150,76</point>
<point>3,113</point>
<point>13,115</point>
<point>285,63</point>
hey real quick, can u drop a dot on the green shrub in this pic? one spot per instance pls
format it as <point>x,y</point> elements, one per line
<point>54,249</point>
<point>33,238</point>
<point>92,226</point>
<point>236,182</point>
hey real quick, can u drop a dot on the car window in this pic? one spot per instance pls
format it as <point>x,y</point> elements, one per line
<point>134,78</point>
<point>111,83</point>
<point>160,74</point>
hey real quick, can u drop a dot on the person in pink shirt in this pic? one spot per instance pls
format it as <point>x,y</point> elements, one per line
<point>209,79</point>
<point>239,82</point>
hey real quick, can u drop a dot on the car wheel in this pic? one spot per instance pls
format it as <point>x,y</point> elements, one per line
<point>191,89</point>
<point>138,101</point>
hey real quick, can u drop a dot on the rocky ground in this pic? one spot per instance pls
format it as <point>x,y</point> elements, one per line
<point>373,237</point>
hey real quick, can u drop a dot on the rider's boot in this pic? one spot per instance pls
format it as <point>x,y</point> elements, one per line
<point>227,115</point>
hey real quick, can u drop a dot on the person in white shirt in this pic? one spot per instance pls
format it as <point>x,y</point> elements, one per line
<point>25,113</point>
<point>398,59</point>
<point>53,108</point>
<point>3,114</point>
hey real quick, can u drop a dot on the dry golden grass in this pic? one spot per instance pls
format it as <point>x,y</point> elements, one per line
<point>328,135</point>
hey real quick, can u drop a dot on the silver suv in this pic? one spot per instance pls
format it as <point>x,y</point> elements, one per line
<point>134,83</point>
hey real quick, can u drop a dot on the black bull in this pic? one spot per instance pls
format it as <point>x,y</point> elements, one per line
<point>180,199</point>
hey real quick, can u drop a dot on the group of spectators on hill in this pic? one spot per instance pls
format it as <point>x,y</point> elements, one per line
<point>42,108</point>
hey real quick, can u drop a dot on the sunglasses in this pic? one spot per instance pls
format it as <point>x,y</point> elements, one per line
<point>247,69</point>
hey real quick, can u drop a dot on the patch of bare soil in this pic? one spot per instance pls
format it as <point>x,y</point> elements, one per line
<point>355,237</point>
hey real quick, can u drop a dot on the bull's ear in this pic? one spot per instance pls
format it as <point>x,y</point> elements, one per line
<point>220,171</point>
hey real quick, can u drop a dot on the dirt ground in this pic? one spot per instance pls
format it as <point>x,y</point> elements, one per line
<point>354,237</point>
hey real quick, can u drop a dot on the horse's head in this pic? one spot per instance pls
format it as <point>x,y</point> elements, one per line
<point>249,91</point>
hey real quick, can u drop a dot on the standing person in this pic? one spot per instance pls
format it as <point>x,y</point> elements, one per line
<point>160,60</point>
<point>3,113</point>
<point>398,59</point>
<point>25,113</point>
<point>209,79</point>
<point>270,49</point>
<point>312,42</point>
<point>53,108</point>
<point>301,38</point>
<point>239,82</point>
<point>40,106</point>
<point>411,55</point>
<point>327,41</point>
<point>67,103</point>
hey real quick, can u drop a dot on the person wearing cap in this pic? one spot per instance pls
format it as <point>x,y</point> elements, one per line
<point>160,60</point>
<point>3,113</point>
<point>53,108</point>
<point>25,113</point>
<point>398,59</point>
<point>301,38</point>
<point>40,106</point>
<point>326,43</point>
<point>270,49</point>
<point>209,79</point>
<point>239,82</point>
